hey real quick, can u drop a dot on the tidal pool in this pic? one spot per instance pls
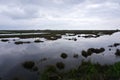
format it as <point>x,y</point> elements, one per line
<point>49,52</point>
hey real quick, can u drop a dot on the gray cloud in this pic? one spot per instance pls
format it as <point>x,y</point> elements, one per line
<point>59,14</point>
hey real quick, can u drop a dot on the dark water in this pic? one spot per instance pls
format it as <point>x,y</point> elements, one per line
<point>12,56</point>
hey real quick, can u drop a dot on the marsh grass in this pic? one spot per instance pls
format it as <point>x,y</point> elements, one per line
<point>50,73</point>
<point>4,40</point>
<point>22,42</point>
<point>86,71</point>
<point>60,65</point>
<point>64,55</point>
<point>95,50</point>
<point>86,53</point>
<point>51,33</point>
<point>117,53</point>
<point>90,51</point>
<point>38,41</point>
<point>28,64</point>
<point>114,45</point>
<point>75,56</point>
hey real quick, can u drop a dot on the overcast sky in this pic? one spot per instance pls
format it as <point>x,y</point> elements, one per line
<point>59,14</point>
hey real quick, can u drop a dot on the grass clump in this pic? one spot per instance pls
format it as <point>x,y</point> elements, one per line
<point>21,42</point>
<point>28,64</point>
<point>96,50</point>
<point>64,55</point>
<point>50,73</point>
<point>38,41</point>
<point>75,55</point>
<point>113,71</point>
<point>90,51</point>
<point>60,65</point>
<point>114,45</point>
<point>4,40</point>
<point>35,68</point>
<point>86,53</point>
<point>117,53</point>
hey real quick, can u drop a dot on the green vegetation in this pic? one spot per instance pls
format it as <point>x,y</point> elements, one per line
<point>50,73</point>
<point>114,45</point>
<point>51,34</point>
<point>86,53</point>
<point>64,55</point>
<point>117,53</point>
<point>4,40</point>
<point>38,41</point>
<point>90,51</point>
<point>28,65</point>
<point>96,50</point>
<point>43,59</point>
<point>86,71</point>
<point>21,42</point>
<point>59,31</point>
<point>60,65</point>
<point>73,39</point>
<point>75,55</point>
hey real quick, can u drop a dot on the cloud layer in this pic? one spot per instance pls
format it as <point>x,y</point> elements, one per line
<point>59,14</point>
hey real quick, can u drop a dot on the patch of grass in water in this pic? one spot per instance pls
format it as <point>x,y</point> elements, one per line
<point>22,42</point>
<point>35,68</point>
<point>43,59</point>
<point>60,65</point>
<point>28,65</point>
<point>96,50</point>
<point>4,40</point>
<point>64,55</point>
<point>114,45</point>
<point>75,55</point>
<point>90,51</point>
<point>117,53</point>
<point>38,41</point>
<point>86,53</point>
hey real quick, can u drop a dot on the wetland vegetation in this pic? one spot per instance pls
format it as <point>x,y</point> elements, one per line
<point>60,55</point>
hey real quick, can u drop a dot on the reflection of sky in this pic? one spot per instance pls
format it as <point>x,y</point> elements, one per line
<point>59,14</point>
<point>12,55</point>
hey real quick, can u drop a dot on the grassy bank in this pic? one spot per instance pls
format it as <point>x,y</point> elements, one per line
<point>50,33</point>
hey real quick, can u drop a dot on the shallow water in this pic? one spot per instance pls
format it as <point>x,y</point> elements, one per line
<point>12,55</point>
